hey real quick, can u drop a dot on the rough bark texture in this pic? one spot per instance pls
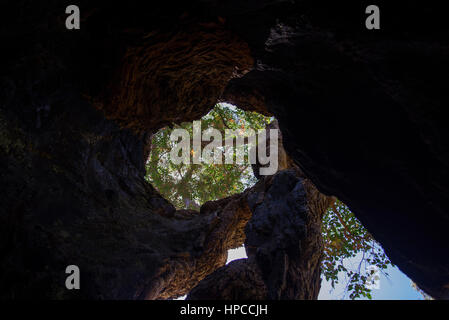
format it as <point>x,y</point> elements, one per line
<point>174,76</point>
<point>283,244</point>
<point>363,113</point>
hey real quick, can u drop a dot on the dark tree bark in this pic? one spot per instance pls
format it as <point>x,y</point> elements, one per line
<point>283,244</point>
<point>362,113</point>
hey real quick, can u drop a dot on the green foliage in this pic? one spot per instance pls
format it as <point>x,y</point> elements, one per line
<point>188,186</point>
<point>346,238</point>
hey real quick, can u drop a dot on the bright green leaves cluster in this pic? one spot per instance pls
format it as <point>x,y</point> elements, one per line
<point>188,186</point>
<point>346,240</point>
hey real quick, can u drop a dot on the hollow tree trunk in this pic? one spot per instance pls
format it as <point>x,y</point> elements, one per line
<point>362,112</point>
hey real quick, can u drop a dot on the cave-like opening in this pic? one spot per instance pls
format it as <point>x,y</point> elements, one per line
<point>190,185</point>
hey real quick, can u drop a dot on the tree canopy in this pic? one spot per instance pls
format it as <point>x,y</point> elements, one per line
<point>345,239</point>
<point>188,186</point>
